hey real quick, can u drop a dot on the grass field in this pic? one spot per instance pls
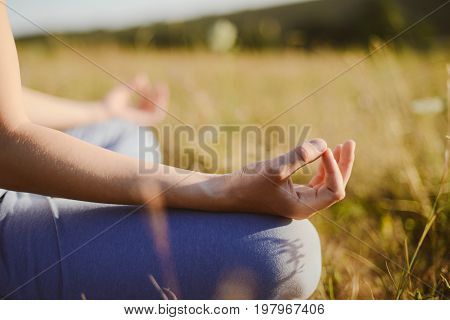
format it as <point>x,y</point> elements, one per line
<point>396,192</point>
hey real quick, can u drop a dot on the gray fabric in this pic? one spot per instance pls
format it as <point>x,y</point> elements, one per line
<point>60,249</point>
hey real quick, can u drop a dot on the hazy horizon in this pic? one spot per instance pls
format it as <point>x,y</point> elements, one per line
<point>85,15</point>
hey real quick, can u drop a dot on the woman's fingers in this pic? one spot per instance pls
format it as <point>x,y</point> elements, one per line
<point>337,152</point>
<point>333,176</point>
<point>287,164</point>
<point>140,83</point>
<point>149,95</point>
<point>319,178</point>
<point>333,189</point>
<point>311,200</point>
<point>347,159</point>
<point>336,175</point>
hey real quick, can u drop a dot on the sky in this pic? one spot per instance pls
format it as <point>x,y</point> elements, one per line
<point>81,15</point>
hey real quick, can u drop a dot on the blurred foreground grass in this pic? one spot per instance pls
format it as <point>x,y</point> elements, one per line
<point>400,153</point>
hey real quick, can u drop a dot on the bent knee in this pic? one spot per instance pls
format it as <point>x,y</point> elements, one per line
<point>297,261</point>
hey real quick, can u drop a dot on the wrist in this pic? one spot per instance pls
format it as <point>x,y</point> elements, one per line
<point>197,191</point>
<point>186,190</point>
<point>99,112</point>
<point>218,191</point>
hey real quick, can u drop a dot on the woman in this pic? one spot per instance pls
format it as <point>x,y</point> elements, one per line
<point>100,244</point>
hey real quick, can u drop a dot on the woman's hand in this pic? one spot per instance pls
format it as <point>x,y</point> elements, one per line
<point>267,187</point>
<point>152,102</point>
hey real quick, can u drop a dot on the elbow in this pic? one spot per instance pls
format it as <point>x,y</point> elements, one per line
<point>9,126</point>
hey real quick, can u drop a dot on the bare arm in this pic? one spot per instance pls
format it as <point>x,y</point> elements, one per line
<point>60,113</point>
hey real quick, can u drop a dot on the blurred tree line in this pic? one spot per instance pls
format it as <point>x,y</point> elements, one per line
<point>336,23</point>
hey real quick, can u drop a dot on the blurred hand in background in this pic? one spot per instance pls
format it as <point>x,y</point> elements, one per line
<point>151,104</point>
<point>149,108</point>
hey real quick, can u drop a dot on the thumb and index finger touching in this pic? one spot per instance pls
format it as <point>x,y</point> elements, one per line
<point>287,164</point>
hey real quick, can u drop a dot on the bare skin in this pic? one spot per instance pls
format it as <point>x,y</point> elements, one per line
<point>41,160</point>
<point>61,114</point>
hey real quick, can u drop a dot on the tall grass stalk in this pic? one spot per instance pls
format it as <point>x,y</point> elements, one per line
<point>406,274</point>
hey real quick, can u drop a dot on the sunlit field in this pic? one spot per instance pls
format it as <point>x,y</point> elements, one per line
<point>395,219</point>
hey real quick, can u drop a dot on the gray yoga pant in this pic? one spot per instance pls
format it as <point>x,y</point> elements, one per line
<point>54,248</point>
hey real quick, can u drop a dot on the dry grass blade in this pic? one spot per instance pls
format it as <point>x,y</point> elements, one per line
<point>159,229</point>
<point>390,276</point>
<point>156,285</point>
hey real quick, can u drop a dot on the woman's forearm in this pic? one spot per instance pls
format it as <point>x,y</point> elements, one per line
<point>59,113</point>
<point>45,161</point>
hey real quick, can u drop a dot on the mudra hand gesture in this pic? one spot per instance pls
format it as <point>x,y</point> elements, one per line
<point>267,186</point>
